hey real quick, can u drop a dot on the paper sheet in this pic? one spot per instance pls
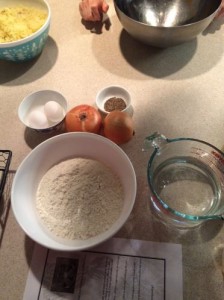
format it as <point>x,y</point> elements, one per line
<point>119,269</point>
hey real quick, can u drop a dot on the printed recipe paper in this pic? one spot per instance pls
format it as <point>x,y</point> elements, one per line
<point>119,269</point>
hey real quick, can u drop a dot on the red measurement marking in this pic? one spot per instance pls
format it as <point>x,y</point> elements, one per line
<point>199,152</point>
<point>218,157</point>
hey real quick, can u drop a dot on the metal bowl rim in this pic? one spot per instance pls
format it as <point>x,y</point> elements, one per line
<point>167,27</point>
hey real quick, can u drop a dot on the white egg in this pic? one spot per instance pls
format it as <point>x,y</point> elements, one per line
<point>37,119</point>
<point>54,111</point>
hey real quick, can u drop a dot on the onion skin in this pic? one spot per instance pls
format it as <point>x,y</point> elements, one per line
<point>83,118</point>
<point>118,127</point>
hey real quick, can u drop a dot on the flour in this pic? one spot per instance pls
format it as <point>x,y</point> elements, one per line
<point>79,198</point>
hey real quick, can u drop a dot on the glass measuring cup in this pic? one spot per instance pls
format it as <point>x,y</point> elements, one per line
<point>186,179</point>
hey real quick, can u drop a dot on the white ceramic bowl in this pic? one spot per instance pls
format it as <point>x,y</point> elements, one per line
<point>31,46</point>
<point>113,91</point>
<point>51,152</point>
<point>36,101</point>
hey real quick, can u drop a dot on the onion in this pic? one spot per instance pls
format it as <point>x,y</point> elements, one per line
<point>118,127</point>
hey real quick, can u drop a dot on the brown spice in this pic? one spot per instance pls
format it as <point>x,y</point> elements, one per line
<point>114,103</point>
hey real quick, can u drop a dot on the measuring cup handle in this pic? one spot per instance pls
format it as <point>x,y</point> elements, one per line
<point>156,140</point>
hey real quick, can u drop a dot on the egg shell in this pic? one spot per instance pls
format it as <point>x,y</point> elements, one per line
<point>37,119</point>
<point>54,111</point>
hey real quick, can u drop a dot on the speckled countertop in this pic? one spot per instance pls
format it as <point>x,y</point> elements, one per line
<point>177,91</point>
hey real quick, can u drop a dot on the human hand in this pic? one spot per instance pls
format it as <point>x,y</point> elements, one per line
<point>91,10</point>
<point>221,11</point>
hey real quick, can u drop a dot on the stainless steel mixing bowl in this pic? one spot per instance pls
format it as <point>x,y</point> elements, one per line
<point>164,23</point>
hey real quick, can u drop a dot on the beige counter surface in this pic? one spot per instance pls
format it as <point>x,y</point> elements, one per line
<point>177,91</point>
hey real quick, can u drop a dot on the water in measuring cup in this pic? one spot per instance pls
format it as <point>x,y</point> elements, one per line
<point>187,185</point>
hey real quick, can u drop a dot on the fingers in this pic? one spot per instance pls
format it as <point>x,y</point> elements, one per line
<point>221,11</point>
<point>220,14</point>
<point>105,7</point>
<point>91,11</point>
<point>96,14</point>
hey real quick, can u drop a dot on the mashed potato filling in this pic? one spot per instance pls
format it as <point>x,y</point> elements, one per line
<point>19,22</point>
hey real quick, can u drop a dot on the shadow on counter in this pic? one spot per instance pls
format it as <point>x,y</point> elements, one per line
<point>214,26</point>
<point>34,138</point>
<point>154,227</point>
<point>97,27</point>
<point>200,234</point>
<point>164,62</point>
<point>22,71</point>
<point>156,62</point>
<point>180,62</point>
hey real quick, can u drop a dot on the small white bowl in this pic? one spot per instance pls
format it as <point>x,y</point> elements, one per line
<point>46,155</point>
<point>36,101</point>
<point>113,91</point>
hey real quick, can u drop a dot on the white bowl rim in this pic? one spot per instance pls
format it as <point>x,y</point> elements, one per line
<point>118,87</point>
<point>33,35</point>
<point>63,137</point>
<point>26,99</point>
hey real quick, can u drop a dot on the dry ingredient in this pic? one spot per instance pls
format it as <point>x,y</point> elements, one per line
<point>79,198</point>
<point>114,103</point>
<point>19,22</point>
